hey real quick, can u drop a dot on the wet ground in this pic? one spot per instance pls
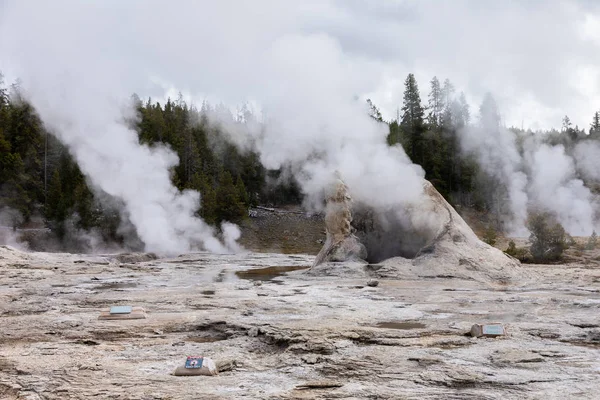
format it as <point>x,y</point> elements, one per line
<point>268,273</point>
<point>280,333</point>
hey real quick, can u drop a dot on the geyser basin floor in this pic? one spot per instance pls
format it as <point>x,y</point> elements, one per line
<point>282,336</point>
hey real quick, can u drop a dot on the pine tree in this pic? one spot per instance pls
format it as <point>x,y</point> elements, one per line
<point>465,115</point>
<point>571,133</point>
<point>395,135</point>
<point>412,124</point>
<point>374,111</point>
<point>436,103</point>
<point>55,210</point>
<point>6,160</point>
<point>595,126</point>
<point>489,115</point>
<point>84,205</point>
<point>253,176</point>
<point>208,210</point>
<point>158,126</point>
<point>3,104</point>
<point>188,157</point>
<point>242,193</point>
<point>12,175</point>
<point>448,96</point>
<point>229,206</point>
<point>566,123</point>
<point>208,199</point>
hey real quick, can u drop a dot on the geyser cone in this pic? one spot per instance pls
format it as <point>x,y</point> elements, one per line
<point>441,244</point>
<point>427,239</point>
<point>341,244</point>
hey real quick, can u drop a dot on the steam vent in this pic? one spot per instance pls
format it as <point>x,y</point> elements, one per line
<point>429,239</point>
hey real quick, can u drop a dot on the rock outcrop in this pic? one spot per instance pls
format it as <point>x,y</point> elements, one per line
<point>341,244</point>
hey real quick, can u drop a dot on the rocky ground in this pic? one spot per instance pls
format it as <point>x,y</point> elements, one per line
<point>288,230</point>
<point>290,335</point>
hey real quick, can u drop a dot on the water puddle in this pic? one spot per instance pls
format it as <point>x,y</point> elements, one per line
<point>115,285</point>
<point>205,339</point>
<point>400,325</point>
<point>268,273</point>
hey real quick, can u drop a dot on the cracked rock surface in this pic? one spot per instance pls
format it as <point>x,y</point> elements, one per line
<point>290,335</point>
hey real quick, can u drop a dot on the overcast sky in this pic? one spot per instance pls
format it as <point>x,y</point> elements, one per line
<point>540,59</point>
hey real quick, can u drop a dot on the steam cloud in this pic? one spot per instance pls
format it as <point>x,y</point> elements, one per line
<point>75,70</point>
<point>541,177</point>
<point>499,157</point>
<point>8,219</point>
<point>555,188</point>
<point>87,121</point>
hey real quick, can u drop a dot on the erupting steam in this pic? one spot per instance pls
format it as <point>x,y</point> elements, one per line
<point>74,69</point>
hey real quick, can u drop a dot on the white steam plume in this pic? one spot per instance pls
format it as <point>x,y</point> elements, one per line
<point>587,156</point>
<point>109,153</point>
<point>78,91</point>
<point>555,188</point>
<point>9,219</point>
<point>496,151</point>
<point>542,178</point>
<point>78,59</point>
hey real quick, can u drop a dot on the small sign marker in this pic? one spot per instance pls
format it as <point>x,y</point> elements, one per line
<point>194,362</point>
<point>197,365</point>
<point>494,330</point>
<point>121,310</point>
<point>488,330</point>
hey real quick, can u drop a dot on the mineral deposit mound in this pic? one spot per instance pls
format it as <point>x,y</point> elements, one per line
<point>426,239</point>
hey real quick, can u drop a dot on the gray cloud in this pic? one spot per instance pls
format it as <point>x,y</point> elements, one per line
<point>528,54</point>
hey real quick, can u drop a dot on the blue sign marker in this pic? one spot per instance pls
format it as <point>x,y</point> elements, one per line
<point>194,362</point>
<point>120,310</point>
<point>493,330</point>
